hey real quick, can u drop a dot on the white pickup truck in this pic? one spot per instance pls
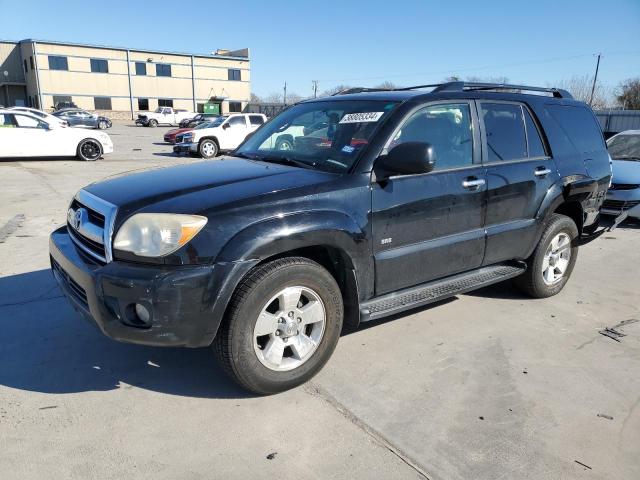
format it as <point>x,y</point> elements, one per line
<point>223,134</point>
<point>163,116</point>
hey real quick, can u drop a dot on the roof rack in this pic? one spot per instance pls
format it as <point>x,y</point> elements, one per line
<point>463,86</point>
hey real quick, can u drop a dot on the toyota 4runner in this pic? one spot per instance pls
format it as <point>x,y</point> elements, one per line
<point>399,199</point>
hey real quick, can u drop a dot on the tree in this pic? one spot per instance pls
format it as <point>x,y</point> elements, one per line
<point>274,97</point>
<point>580,88</point>
<point>334,90</point>
<point>387,85</point>
<point>255,98</point>
<point>628,94</point>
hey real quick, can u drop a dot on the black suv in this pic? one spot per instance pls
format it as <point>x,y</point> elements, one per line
<point>399,199</point>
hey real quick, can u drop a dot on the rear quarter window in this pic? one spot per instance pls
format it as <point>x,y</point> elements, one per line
<point>579,125</point>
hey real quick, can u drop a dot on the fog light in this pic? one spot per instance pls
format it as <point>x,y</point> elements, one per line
<point>142,313</point>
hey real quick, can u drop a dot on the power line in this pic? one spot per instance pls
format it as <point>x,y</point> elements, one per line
<point>485,67</point>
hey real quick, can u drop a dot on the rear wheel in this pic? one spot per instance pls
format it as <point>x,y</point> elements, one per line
<point>283,325</point>
<point>153,123</point>
<point>284,144</point>
<point>89,150</point>
<point>208,148</point>
<point>550,266</point>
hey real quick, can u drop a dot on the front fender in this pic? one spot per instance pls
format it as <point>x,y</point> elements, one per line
<point>277,235</point>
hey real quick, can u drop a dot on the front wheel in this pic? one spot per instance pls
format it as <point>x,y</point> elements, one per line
<point>550,266</point>
<point>283,325</point>
<point>208,149</point>
<point>89,150</point>
<point>102,125</point>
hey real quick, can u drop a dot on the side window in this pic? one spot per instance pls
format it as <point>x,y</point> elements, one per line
<point>534,141</point>
<point>256,119</point>
<point>580,125</point>
<point>7,121</point>
<point>447,127</point>
<point>504,129</point>
<point>27,122</point>
<point>237,121</point>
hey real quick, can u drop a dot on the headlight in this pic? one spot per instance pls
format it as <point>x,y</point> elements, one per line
<point>157,234</point>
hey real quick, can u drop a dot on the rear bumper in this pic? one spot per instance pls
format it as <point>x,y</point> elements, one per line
<point>181,299</point>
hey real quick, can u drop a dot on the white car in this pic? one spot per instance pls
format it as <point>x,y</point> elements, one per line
<point>25,135</point>
<point>222,134</point>
<point>40,114</point>
<point>163,116</point>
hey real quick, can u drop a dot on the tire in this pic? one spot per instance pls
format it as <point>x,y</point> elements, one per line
<point>208,148</point>
<point>284,144</point>
<point>535,281</point>
<point>89,150</point>
<point>153,123</point>
<point>102,125</point>
<point>248,357</point>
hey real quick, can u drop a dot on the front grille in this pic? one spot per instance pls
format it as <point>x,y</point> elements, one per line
<point>620,204</point>
<point>624,186</point>
<point>89,221</point>
<point>72,287</point>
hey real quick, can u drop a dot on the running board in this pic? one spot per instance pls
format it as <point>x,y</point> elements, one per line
<point>438,290</point>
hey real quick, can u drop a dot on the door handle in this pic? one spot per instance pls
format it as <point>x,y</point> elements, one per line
<point>541,171</point>
<point>472,183</point>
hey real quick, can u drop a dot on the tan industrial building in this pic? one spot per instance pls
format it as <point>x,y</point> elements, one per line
<point>122,81</point>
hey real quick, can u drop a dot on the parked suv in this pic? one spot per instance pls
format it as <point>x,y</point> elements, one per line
<point>406,197</point>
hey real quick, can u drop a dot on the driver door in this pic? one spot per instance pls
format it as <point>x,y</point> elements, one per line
<point>431,225</point>
<point>235,131</point>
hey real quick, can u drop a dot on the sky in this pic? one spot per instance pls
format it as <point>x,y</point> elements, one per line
<point>359,43</point>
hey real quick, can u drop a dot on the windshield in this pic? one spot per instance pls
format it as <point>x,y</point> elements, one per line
<point>624,147</point>
<point>327,135</point>
<point>206,125</point>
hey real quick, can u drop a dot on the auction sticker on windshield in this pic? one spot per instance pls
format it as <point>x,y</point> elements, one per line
<point>361,117</point>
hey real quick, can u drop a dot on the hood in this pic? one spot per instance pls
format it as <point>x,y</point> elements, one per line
<point>202,186</point>
<point>626,171</point>
<point>177,131</point>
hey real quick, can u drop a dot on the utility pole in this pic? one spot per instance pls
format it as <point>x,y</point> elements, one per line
<point>595,78</point>
<point>315,88</point>
<point>285,93</point>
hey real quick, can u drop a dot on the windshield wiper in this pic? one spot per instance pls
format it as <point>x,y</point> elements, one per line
<point>281,159</point>
<point>627,157</point>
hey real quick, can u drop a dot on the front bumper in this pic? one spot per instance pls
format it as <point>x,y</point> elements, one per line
<point>619,201</point>
<point>185,148</point>
<point>181,299</point>
<point>107,148</point>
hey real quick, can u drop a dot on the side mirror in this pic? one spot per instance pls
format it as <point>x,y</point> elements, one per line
<point>410,158</point>
<point>225,126</point>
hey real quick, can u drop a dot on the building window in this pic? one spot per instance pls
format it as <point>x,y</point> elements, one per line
<point>163,70</point>
<point>25,66</point>
<point>102,103</point>
<point>165,102</point>
<point>235,107</point>
<point>58,63</point>
<point>143,104</point>
<point>31,62</point>
<point>141,68</point>
<point>99,66</point>
<point>65,100</point>
<point>233,74</point>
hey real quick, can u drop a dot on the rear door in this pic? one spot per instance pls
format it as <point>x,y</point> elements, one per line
<point>519,173</point>
<point>431,225</point>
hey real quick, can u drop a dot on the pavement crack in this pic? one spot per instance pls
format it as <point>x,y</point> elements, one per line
<point>317,391</point>
<point>40,298</point>
<point>11,226</point>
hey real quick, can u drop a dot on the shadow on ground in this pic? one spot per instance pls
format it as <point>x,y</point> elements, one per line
<point>46,347</point>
